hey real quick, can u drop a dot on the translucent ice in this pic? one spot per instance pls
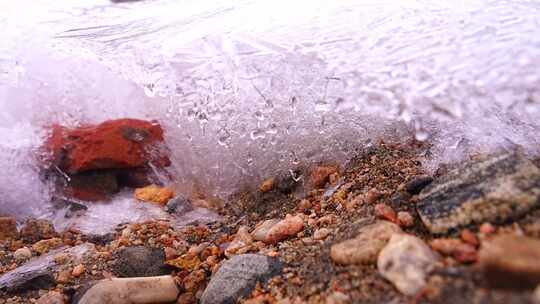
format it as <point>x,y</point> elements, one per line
<point>244,88</point>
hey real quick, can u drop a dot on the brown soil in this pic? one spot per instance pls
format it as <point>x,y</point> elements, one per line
<point>309,276</point>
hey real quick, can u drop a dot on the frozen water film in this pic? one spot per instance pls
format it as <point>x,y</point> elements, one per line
<point>245,88</point>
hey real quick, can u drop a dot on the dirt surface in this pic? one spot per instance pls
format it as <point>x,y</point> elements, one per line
<point>378,175</point>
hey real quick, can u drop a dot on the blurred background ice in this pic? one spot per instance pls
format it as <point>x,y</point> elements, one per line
<point>245,88</point>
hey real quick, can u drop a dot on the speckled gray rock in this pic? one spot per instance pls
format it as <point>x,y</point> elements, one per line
<point>495,189</point>
<point>139,261</point>
<point>38,273</point>
<point>237,277</point>
<point>179,205</point>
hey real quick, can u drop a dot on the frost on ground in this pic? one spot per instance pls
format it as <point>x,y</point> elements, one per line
<point>246,88</point>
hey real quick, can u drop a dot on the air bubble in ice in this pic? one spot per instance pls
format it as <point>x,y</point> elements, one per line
<point>257,134</point>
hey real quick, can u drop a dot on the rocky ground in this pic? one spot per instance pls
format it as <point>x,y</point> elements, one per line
<point>377,231</point>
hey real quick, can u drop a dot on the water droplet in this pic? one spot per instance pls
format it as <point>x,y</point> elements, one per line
<point>202,117</point>
<point>294,158</point>
<point>259,115</point>
<point>257,134</point>
<point>322,106</point>
<point>191,114</point>
<point>421,135</point>
<point>296,176</point>
<point>272,129</point>
<point>293,103</point>
<point>149,90</point>
<point>223,137</point>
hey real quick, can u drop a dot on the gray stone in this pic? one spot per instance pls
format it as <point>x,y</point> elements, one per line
<point>237,277</point>
<point>139,261</point>
<point>494,189</point>
<point>38,273</point>
<point>179,205</point>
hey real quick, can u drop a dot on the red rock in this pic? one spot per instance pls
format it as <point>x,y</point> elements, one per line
<point>284,229</point>
<point>372,196</point>
<point>92,162</point>
<point>465,253</point>
<point>385,212</point>
<point>114,144</point>
<point>8,228</point>
<point>468,237</point>
<point>304,205</point>
<point>460,251</point>
<point>444,246</point>
<point>487,228</point>
<point>320,176</point>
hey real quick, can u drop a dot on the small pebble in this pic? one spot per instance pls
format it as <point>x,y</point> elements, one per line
<point>372,196</point>
<point>304,205</point>
<point>385,212</point>
<point>267,185</point>
<point>321,234</point>
<point>406,262</point>
<point>78,270</point>
<point>284,229</point>
<point>51,297</point>
<point>487,228</point>
<point>468,237</point>
<point>405,219</point>
<point>64,276</point>
<point>364,248</point>
<point>22,254</point>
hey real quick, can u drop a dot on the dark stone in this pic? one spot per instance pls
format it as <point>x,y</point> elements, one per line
<point>139,261</point>
<point>399,200</point>
<point>286,183</point>
<point>237,277</point>
<point>179,205</point>
<point>136,178</point>
<point>418,183</point>
<point>78,294</point>
<point>495,188</point>
<point>92,185</point>
<point>100,239</point>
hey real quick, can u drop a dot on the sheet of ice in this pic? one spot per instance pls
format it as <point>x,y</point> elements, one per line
<point>244,88</point>
<point>101,218</point>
